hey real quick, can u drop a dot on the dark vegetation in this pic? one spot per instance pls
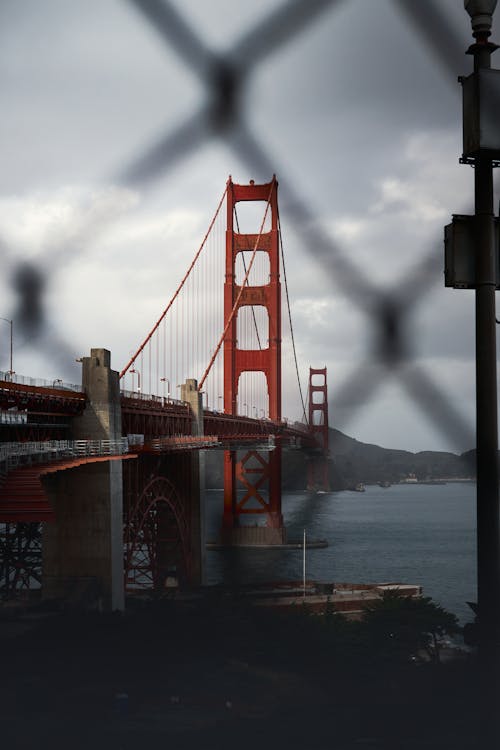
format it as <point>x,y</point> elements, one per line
<point>397,628</point>
<point>213,672</point>
<point>353,462</point>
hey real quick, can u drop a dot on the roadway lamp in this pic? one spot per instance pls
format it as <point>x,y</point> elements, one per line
<point>481,89</point>
<point>11,323</point>
<point>481,13</point>
<point>473,253</point>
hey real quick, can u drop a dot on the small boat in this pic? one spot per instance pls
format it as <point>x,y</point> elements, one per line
<point>410,479</point>
<point>360,487</point>
<point>384,484</point>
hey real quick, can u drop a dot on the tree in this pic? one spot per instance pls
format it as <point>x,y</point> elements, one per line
<point>401,626</point>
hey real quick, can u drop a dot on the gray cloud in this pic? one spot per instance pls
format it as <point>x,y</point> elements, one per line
<point>359,119</point>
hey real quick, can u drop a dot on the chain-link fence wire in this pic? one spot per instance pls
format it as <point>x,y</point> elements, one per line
<point>225,81</point>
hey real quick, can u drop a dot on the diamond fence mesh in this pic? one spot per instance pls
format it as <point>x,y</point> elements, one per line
<point>223,111</point>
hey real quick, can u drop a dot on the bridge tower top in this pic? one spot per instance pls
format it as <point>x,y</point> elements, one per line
<point>102,417</point>
<point>266,359</point>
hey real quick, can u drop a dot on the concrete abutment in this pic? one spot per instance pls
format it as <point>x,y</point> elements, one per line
<point>83,549</point>
<point>191,395</point>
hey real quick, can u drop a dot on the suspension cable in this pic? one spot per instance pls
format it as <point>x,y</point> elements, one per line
<point>238,298</point>
<point>177,291</point>
<point>307,406</point>
<point>290,320</point>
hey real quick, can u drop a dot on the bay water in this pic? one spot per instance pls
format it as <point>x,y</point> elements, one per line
<point>407,533</point>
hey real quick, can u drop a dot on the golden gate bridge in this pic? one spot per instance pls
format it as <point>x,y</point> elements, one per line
<point>104,478</point>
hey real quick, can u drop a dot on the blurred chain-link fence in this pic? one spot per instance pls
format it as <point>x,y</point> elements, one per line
<point>226,94</point>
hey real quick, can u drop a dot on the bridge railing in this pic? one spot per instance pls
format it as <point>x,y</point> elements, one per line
<point>13,417</point>
<point>12,377</point>
<point>182,441</point>
<point>14,455</point>
<point>160,400</point>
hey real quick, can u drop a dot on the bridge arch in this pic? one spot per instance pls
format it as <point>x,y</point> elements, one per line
<point>156,537</point>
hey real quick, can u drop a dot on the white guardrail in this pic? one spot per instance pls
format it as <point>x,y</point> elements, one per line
<point>13,455</point>
<point>13,417</point>
<point>9,377</point>
<point>161,400</point>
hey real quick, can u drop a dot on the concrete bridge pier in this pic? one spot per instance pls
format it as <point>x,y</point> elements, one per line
<point>191,395</point>
<point>83,549</point>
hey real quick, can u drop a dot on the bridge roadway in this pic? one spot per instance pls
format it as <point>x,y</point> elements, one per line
<point>35,424</point>
<point>36,411</point>
<point>150,507</point>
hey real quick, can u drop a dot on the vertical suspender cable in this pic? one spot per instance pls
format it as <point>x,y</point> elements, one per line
<point>245,271</point>
<point>155,327</point>
<point>238,298</point>
<point>290,319</point>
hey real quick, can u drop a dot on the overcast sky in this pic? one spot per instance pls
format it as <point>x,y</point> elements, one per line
<point>355,115</point>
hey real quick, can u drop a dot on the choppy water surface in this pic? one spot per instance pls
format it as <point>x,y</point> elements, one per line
<point>423,534</point>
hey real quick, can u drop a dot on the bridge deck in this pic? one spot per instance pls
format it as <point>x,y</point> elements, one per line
<point>23,496</point>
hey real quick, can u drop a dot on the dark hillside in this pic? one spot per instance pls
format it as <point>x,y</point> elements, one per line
<point>353,462</point>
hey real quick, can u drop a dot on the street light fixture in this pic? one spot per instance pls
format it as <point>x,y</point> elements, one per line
<point>481,13</point>
<point>481,149</point>
<point>167,381</point>
<point>136,372</point>
<point>11,323</point>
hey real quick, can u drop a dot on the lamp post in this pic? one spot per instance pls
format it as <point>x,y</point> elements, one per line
<point>167,381</point>
<point>136,372</point>
<point>11,323</point>
<point>488,518</point>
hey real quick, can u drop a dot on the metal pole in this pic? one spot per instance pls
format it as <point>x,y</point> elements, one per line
<point>11,323</point>
<point>304,566</point>
<point>488,516</point>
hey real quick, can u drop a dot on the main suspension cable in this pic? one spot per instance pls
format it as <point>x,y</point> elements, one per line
<point>177,291</point>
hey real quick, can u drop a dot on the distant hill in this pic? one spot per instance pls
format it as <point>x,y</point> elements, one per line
<point>352,462</point>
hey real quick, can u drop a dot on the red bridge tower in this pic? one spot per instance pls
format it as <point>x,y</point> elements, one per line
<point>318,425</point>
<point>252,484</point>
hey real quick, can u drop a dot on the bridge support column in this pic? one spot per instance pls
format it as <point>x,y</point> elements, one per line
<point>318,478</point>
<point>252,483</point>
<point>191,395</point>
<point>83,549</point>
